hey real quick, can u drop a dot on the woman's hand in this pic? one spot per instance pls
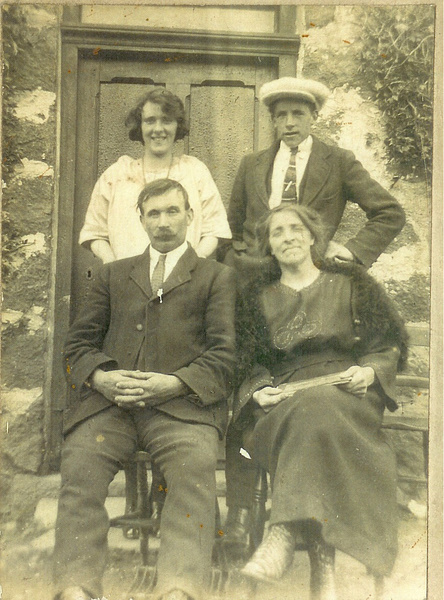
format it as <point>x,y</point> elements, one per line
<point>268,397</point>
<point>102,249</point>
<point>360,379</point>
<point>206,246</point>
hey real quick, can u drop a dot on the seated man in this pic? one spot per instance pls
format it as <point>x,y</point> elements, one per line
<point>151,356</point>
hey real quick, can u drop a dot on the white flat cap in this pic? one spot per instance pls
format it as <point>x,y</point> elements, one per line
<point>294,88</point>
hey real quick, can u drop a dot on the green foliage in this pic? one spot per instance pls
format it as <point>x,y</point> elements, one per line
<point>14,43</point>
<point>397,68</point>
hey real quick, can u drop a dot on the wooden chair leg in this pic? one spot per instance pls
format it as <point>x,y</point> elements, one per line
<point>322,571</point>
<point>137,522</point>
<point>258,512</point>
<point>143,508</point>
<point>130,498</point>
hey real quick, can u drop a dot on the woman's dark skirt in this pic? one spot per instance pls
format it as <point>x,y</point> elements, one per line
<point>329,461</point>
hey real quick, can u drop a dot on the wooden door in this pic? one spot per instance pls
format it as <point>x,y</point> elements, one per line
<point>219,94</point>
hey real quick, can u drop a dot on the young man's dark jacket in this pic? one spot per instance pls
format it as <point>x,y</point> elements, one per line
<point>332,178</point>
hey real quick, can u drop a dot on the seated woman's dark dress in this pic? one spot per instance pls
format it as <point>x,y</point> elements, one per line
<point>323,447</point>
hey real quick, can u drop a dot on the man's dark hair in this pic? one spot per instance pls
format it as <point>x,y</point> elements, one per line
<point>158,187</point>
<point>170,104</point>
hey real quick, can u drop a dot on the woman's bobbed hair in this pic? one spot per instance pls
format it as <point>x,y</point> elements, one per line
<point>170,104</point>
<point>309,218</point>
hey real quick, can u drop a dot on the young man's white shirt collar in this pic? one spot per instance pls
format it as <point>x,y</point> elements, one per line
<point>172,258</point>
<point>280,167</point>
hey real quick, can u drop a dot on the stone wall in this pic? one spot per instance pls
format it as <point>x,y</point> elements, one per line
<point>29,198</point>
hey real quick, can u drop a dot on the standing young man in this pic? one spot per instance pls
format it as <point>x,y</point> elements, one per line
<point>324,177</point>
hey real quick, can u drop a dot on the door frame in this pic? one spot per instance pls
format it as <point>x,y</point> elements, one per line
<point>79,40</point>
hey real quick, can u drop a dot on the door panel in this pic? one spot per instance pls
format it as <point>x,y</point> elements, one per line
<point>222,130</point>
<point>116,100</point>
<point>219,95</point>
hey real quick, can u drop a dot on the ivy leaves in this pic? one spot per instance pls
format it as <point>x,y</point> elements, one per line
<point>397,67</point>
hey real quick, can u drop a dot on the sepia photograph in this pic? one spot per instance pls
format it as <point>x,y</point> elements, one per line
<point>222,345</point>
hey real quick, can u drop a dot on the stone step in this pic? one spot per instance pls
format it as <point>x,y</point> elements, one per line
<point>45,518</point>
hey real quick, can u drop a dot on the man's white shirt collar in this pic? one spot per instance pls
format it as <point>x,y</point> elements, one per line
<point>172,258</point>
<point>304,147</point>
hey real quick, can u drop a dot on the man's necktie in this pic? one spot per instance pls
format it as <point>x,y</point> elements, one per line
<point>158,274</point>
<point>289,192</point>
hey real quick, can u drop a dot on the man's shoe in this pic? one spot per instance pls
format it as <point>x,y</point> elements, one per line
<point>73,593</point>
<point>235,543</point>
<point>274,556</point>
<point>237,526</point>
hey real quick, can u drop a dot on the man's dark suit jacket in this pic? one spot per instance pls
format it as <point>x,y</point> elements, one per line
<point>189,334</point>
<point>333,177</point>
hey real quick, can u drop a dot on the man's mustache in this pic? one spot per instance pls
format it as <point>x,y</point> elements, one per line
<point>164,233</point>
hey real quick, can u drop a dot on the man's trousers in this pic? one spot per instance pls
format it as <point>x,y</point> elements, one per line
<point>186,454</point>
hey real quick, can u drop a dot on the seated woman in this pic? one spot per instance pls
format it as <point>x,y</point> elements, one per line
<point>333,476</point>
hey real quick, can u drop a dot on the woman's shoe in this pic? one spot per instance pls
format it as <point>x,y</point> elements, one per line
<point>274,556</point>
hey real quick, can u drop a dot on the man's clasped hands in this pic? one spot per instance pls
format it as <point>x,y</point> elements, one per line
<point>137,389</point>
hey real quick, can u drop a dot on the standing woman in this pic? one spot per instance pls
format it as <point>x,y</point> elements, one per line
<point>333,476</point>
<point>112,229</point>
